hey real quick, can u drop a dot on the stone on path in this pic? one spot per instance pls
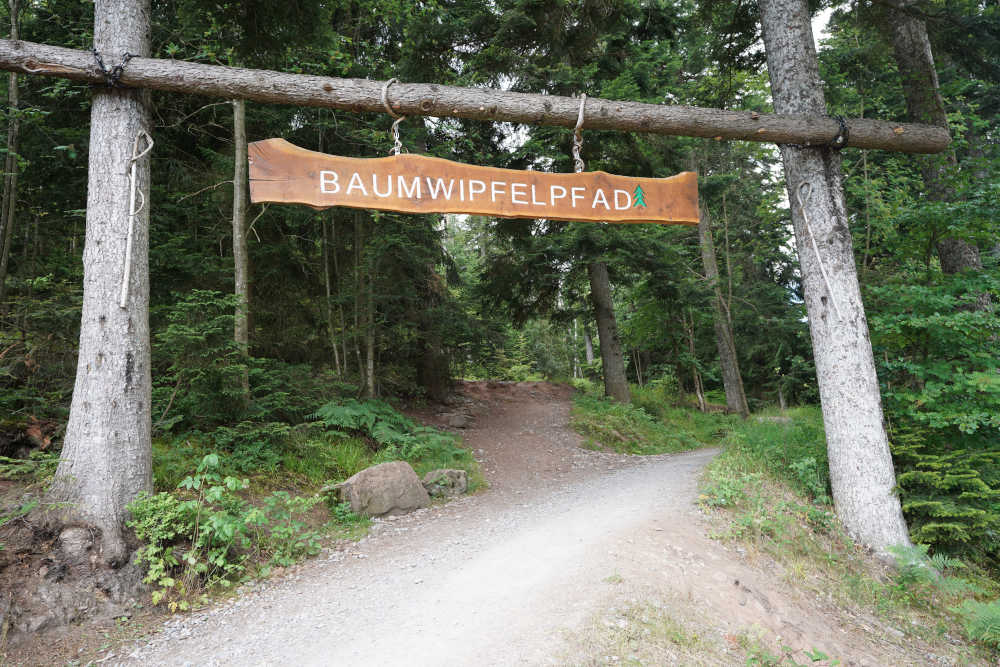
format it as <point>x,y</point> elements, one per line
<point>446,482</point>
<point>388,487</point>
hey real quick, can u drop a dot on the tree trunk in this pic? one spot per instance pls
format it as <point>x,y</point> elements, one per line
<point>369,333</point>
<point>241,262</point>
<point>615,381</point>
<point>912,50</point>
<point>418,99</point>
<point>9,202</point>
<point>588,345</point>
<point>699,389</point>
<point>106,455</point>
<point>327,283</point>
<point>736,400</point>
<point>861,471</point>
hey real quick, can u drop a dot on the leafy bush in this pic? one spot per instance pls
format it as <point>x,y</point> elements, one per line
<point>391,435</point>
<point>631,430</point>
<point>206,534</point>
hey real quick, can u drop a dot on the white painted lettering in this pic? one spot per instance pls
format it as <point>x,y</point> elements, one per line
<point>553,196</point>
<point>514,194</point>
<point>436,188</point>
<point>356,184</point>
<point>329,182</point>
<point>574,196</point>
<point>388,191</point>
<point>600,198</point>
<point>413,192</point>
<point>497,187</point>
<point>473,190</point>
<point>534,200</point>
<point>628,200</point>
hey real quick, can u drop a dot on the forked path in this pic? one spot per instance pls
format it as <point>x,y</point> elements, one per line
<point>515,574</point>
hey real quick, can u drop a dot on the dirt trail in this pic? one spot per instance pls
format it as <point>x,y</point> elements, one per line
<point>519,573</point>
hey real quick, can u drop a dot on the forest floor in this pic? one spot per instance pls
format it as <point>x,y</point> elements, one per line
<point>571,556</point>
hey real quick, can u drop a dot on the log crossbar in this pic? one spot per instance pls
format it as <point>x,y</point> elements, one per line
<point>418,99</point>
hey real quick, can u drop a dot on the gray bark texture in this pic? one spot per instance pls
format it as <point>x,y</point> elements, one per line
<point>615,381</point>
<point>418,99</point>
<point>10,168</point>
<point>861,471</point>
<point>241,261</point>
<point>912,50</point>
<point>736,399</point>
<point>588,346</point>
<point>106,456</point>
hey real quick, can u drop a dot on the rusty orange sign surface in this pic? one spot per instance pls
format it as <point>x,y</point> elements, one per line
<point>284,173</point>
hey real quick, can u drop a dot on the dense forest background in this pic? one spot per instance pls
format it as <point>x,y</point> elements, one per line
<point>350,303</point>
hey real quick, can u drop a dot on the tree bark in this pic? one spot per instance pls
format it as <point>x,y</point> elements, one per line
<point>736,400</point>
<point>241,262</point>
<point>861,471</point>
<point>615,381</point>
<point>588,346</point>
<point>912,50</point>
<point>327,283</point>
<point>10,169</point>
<point>106,455</point>
<point>415,99</point>
<point>699,389</point>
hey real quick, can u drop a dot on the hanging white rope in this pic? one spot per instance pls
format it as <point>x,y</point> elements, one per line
<point>134,195</point>
<point>397,144</point>
<point>803,193</point>
<point>578,136</point>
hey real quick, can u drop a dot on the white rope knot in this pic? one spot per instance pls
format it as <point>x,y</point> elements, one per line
<point>134,195</point>
<point>578,136</point>
<point>397,144</point>
<point>803,193</point>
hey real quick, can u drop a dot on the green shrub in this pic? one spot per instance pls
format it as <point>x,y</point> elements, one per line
<point>206,534</point>
<point>629,429</point>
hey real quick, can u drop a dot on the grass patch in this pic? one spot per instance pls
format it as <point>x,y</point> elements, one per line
<point>769,492</point>
<point>631,429</point>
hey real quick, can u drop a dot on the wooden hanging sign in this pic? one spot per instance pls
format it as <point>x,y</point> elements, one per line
<point>281,172</point>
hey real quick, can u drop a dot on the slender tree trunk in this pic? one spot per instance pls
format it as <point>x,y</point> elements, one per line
<point>341,322</point>
<point>912,50</point>
<point>331,327</point>
<point>106,455</point>
<point>369,284</point>
<point>736,400</point>
<point>861,471</point>
<point>615,381</point>
<point>9,202</point>
<point>241,262</point>
<point>588,346</point>
<point>358,231</point>
<point>699,388</point>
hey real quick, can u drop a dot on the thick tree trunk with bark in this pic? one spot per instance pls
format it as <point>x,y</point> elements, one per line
<point>615,381</point>
<point>736,400</point>
<point>418,99</point>
<point>106,455</point>
<point>912,50</point>
<point>861,471</point>
<point>241,261</point>
<point>9,201</point>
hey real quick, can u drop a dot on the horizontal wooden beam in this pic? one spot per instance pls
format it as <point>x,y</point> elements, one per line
<point>419,99</point>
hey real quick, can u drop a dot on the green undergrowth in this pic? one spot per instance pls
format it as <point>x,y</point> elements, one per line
<point>651,424</point>
<point>769,493</point>
<point>235,502</point>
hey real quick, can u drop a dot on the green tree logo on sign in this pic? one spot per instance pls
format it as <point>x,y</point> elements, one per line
<point>639,196</point>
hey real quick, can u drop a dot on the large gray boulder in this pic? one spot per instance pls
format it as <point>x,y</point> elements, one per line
<point>446,482</point>
<point>388,487</point>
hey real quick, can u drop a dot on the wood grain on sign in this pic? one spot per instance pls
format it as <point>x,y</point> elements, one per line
<point>283,173</point>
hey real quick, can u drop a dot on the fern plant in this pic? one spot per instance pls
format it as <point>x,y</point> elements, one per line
<point>981,621</point>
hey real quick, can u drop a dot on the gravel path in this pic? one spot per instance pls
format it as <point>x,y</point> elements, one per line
<point>516,574</point>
